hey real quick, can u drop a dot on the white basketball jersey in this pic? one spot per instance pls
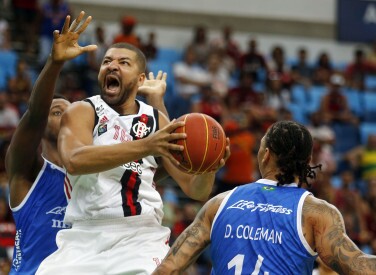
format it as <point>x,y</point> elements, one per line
<point>127,190</point>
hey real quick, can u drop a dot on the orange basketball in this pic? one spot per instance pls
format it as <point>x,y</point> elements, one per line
<point>204,146</point>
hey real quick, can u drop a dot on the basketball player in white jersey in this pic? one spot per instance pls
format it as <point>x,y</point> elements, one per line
<point>271,226</point>
<point>111,145</point>
<point>37,188</point>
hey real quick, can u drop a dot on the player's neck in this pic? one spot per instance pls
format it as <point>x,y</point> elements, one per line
<point>130,107</point>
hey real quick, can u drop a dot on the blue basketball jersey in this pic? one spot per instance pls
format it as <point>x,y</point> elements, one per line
<point>257,230</point>
<point>38,219</point>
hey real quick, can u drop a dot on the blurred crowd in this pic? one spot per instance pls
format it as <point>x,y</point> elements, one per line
<point>246,91</point>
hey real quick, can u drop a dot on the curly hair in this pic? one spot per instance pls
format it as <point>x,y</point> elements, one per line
<point>292,144</point>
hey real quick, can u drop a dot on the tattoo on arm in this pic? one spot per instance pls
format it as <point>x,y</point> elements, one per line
<point>335,248</point>
<point>189,245</point>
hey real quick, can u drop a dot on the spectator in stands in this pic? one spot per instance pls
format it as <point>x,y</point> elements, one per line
<point>150,48</point>
<point>278,65</point>
<point>240,166</point>
<point>190,77</point>
<point>254,62</point>
<point>94,58</point>
<point>9,117</point>
<point>210,103</point>
<point>219,75</point>
<point>228,44</point>
<point>52,17</point>
<point>244,91</point>
<point>127,34</point>
<point>5,39</point>
<point>334,105</point>
<point>25,28</point>
<point>363,158</point>
<point>345,198</point>
<point>21,85</point>
<point>324,138</point>
<point>323,154</point>
<point>370,209</point>
<point>302,71</point>
<point>323,70</point>
<point>277,95</point>
<point>357,70</point>
<point>200,44</point>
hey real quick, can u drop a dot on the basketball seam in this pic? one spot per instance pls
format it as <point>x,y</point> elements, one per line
<point>185,146</point>
<point>206,143</point>
<point>223,146</point>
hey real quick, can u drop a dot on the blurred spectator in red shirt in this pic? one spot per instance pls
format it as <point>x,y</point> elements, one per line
<point>278,67</point>
<point>323,70</point>
<point>150,48</point>
<point>254,62</point>
<point>334,105</point>
<point>356,71</point>
<point>228,45</point>
<point>127,35</point>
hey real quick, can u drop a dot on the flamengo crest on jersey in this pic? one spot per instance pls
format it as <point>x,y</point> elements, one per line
<point>126,190</point>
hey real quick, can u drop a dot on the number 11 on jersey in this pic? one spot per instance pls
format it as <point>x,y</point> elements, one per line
<point>238,260</point>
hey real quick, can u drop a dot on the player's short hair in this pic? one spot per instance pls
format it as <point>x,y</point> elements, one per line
<point>292,144</point>
<point>140,57</point>
<point>60,96</point>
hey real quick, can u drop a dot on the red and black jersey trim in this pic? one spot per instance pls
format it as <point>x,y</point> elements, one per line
<point>130,185</point>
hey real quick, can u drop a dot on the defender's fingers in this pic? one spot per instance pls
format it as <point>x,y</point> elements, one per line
<point>56,34</point>
<point>84,25</point>
<point>89,48</point>
<point>164,76</point>
<point>76,22</point>
<point>66,24</point>
<point>151,76</point>
<point>159,75</point>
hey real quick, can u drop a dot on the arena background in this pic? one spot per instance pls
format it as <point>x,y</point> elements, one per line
<point>289,23</point>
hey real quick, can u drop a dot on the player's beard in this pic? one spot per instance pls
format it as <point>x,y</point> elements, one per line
<point>123,96</point>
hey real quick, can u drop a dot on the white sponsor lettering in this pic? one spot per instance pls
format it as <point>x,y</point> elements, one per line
<point>247,232</point>
<point>262,207</point>
<point>58,210</point>
<point>134,166</point>
<point>17,258</point>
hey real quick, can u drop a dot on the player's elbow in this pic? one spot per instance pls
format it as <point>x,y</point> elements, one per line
<point>72,167</point>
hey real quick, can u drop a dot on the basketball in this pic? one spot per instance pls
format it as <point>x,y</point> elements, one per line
<point>204,146</point>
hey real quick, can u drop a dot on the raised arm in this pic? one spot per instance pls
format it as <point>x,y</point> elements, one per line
<point>194,239</point>
<point>23,158</point>
<point>332,244</point>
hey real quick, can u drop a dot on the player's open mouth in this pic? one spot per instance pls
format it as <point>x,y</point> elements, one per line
<point>112,83</point>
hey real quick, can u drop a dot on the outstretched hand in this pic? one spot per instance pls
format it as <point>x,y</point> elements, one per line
<point>154,86</point>
<point>65,44</point>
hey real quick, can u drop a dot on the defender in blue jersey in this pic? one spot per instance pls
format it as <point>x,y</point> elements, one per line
<point>36,177</point>
<point>271,226</point>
